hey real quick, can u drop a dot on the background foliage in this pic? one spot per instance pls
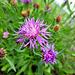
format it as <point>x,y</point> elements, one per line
<point>25,62</point>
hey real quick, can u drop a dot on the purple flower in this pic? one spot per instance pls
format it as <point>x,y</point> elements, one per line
<point>0,51</point>
<point>26,1</point>
<point>47,8</point>
<point>65,2</point>
<point>0,42</point>
<point>32,31</point>
<point>49,54</point>
<point>59,15</point>
<point>5,34</point>
<point>34,5</point>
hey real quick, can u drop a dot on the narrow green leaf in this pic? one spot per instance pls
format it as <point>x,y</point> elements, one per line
<point>22,69</point>
<point>30,71</point>
<point>60,53</point>
<point>40,68</point>
<point>68,17</point>
<point>11,64</point>
<point>68,6</point>
<point>4,67</point>
<point>73,54</point>
<point>68,71</point>
<point>50,2</point>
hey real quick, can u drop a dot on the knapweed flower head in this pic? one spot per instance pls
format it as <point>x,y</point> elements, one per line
<point>47,8</point>
<point>49,54</point>
<point>26,1</point>
<point>5,34</point>
<point>36,5</point>
<point>32,31</point>
<point>2,53</point>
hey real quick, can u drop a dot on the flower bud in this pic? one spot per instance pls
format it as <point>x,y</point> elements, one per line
<point>70,2</point>
<point>56,27</point>
<point>70,21</point>
<point>74,16</point>
<point>9,1</point>
<point>14,3</point>
<point>24,13</point>
<point>59,18</point>
<point>28,11</point>
<point>34,5</point>
<point>2,53</point>
<point>37,5</point>
<point>48,7</point>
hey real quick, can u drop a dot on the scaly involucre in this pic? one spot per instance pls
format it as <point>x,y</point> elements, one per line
<point>49,54</point>
<point>33,31</point>
<point>26,1</point>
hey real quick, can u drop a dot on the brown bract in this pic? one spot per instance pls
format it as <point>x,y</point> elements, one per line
<point>3,53</point>
<point>24,13</point>
<point>70,2</point>
<point>37,5</point>
<point>58,19</point>
<point>28,11</point>
<point>56,27</point>
<point>14,3</point>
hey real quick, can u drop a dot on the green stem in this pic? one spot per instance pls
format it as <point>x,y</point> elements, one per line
<point>37,54</point>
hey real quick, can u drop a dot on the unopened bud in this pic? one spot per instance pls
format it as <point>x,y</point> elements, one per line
<point>74,16</point>
<point>2,53</point>
<point>14,3</point>
<point>37,5</point>
<point>9,1</point>
<point>34,5</point>
<point>59,18</point>
<point>70,21</point>
<point>48,7</point>
<point>56,27</point>
<point>28,11</point>
<point>70,2</point>
<point>24,13</point>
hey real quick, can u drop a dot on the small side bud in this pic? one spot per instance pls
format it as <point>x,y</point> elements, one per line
<point>74,16</point>
<point>70,2</point>
<point>65,2</point>
<point>24,13</point>
<point>28,11</point>
<point>48,7</point>
<point>14,3</point>
<point>70,21</point>
<point>59,18</point>
<point>34,5</point>
<point>9,1</point>
<point>56,27</point>
<point>2,53</point>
